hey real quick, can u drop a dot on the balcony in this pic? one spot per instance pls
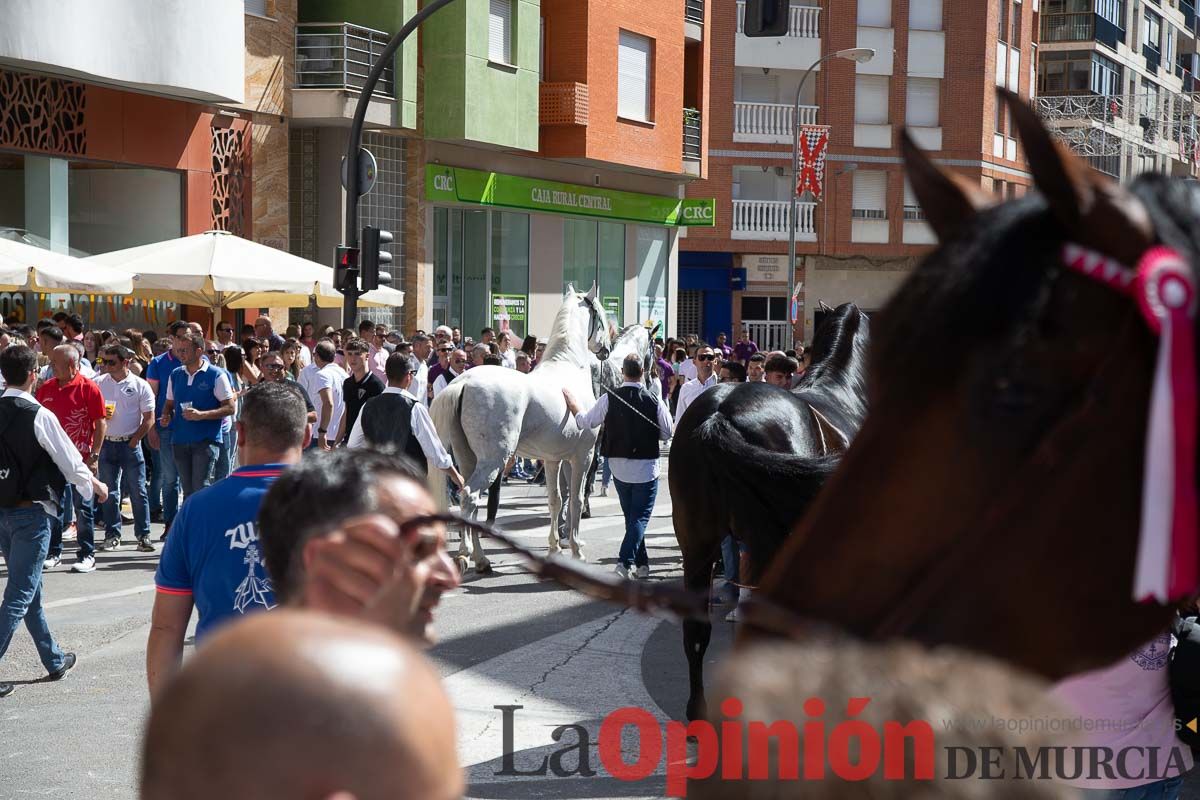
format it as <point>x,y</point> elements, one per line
<point>1068,27</point>
<point>1153,58</point>
<point>693,20</point>
<point>768,122</point>
<point>767,220</point>
<point>692,139</point>
<point>800,47</point>
<point>332,64</point>
<point>563,103</point>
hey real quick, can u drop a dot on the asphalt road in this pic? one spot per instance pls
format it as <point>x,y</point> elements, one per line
<point>506,639</point>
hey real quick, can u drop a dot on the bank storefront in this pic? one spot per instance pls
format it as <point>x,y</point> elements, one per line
<point>505,247</point>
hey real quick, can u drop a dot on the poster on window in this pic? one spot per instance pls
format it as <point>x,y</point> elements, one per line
<point>612,307</point>
<point>653,311</point>
<point>508,311</point>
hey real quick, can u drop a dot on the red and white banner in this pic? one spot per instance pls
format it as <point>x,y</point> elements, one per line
<point>814,144</point>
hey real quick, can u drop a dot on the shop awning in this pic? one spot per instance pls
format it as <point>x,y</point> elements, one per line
<point>219,270</point>
<point>24,267</point>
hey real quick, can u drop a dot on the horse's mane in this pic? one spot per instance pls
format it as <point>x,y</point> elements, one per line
<point>558,342</point>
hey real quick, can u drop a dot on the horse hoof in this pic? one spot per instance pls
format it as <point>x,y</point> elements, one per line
<point>483,568</point>
<point>578,554</point>
<point>461,563</point>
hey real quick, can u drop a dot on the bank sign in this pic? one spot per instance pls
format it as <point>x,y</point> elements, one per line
<point>459,185</point>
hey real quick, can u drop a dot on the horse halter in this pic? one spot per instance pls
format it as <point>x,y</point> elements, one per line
<point>1165,292</point>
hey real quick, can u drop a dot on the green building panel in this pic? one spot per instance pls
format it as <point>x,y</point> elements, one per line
<point>382,15</point>
<point>468,97</point>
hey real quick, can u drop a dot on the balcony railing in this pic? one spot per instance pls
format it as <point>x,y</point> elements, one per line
<point>340,56</point>
<point>768,220</point>
<point>563,103</point>
<point>769,335</point>
<point>768,121</point>
<point>804,23</point>
<point>691,134</point>
<point>693,11</point>
<point>1068,27</point>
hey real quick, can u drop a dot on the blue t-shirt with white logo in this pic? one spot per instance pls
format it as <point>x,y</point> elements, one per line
<point>213,552</point>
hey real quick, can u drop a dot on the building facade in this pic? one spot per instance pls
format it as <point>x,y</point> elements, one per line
<point>1117,78</point>
<point>860,239</point>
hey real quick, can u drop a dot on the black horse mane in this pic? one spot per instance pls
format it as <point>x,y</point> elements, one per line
<point>836,379</point>
<point>995,274</point>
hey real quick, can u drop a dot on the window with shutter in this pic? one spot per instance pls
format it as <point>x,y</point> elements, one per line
<point>871,99</point>
<point>925,15</point>
<point>923,100</point>
<point>634,56</point>
<point>257,7</point>
<point>870,195</point>
<point>875,13</point>
<point>500,31</point>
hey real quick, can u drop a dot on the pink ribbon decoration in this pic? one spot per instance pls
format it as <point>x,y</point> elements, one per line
<point>1165,291</point>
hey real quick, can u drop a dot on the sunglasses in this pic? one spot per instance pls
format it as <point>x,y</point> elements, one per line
<point>214,352</point>
<point>224,330</point>
<point>108,362</point>
<point>703,357</point>
<point>273,367</point>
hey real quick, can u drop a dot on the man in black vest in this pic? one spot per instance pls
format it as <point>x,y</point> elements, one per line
<point>37,459</point>
<point>635,421</point>
<point>396,420</point>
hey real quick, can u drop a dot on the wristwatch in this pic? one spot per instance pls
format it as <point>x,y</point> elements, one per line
<point>322,431</point>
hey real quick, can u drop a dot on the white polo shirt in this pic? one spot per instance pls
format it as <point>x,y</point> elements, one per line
<point>132,398</point>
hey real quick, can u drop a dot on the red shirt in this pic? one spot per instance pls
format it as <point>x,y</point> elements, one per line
<point>78,406</point>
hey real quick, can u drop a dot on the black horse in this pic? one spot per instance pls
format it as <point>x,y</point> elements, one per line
<point>748,458</point>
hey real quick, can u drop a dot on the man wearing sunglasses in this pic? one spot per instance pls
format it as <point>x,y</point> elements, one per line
<point>456,366</point>
<point>129,406</point>
<point>274,372</point>
<point>224,334</point>
<point>703,362</point>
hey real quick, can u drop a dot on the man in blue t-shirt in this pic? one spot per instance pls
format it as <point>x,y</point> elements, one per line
<point>212,560</point>
<point>164,480</point>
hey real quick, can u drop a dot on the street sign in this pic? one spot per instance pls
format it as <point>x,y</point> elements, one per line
<point>367,172</point>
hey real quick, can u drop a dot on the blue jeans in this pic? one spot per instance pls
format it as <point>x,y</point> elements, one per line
<point>121,463</point>
<point>196,462</point>
<point>24,541</point>
<point>166,477</point>
<point>1166,789</point>
<point>606,474</point>
<point>73,505</point>
<point>637,501</point>
<point>225,452</point>
<point>729,558</point>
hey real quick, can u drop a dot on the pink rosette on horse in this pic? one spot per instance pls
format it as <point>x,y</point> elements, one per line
<point>1165,292</point>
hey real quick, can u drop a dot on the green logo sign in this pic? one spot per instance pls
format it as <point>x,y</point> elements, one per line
<point>459,185</point>
<point>507,309</point>
<point>612,307</point>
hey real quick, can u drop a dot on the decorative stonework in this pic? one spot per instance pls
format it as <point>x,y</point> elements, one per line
<point>38,113</point>
<point>228,180</point>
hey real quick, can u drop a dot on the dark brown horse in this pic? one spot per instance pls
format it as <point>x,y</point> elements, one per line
<point>748,459</point>
<point>992,496</point>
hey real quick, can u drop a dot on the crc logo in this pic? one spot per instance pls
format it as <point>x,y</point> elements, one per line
<point>443,183</point>
<point>704,213</point>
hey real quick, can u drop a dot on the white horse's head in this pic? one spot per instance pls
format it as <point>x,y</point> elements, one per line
<point>582,318</point>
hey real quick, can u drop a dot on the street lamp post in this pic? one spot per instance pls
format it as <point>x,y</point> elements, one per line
<point>859,55</point>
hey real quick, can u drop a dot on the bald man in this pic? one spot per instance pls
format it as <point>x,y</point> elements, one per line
<point>347,711</point>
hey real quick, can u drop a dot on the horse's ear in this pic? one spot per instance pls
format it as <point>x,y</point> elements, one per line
<point>1097,212</point>
<point>591,295</point>
<point>654,330</point>
<point>570,290</point>
<point>1062,178</point>
<point>948,200</point>
<point>824,306</point>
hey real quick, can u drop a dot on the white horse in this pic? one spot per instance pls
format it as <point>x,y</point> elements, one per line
<point>489,414</point>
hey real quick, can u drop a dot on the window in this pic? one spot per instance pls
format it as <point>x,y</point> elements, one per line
<point>634,57</point>
<point>510,271</point>
<point>925,15</point>
<point>922,105</point>
<point>871,100</point>
<point>1152,31</point>
<point>1110,10</point>
<point>1015,38</point>
<point>653,263</point>
<point>500,31</point>
<point>1001,115</point>
<point>257,8</point>
<point>1078,72</point>
<point>875,13</point>
<point>912,207</point>
<point>870,195</point>
<point>1002,22</point>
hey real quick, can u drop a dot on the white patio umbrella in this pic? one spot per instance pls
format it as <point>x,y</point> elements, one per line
<point>219,270</point>
<point>24,267</point>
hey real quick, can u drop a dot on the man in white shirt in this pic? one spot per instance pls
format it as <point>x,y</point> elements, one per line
<point>687,367</point>
<point>421,348</point>
<point>129,406</point>
<point>508,353</point>
<point>703,363</point>
<point>457,366</point>
<point>635,421</point>
<point>41,456</point>
<point>323,381</point>
<point>398,420</point>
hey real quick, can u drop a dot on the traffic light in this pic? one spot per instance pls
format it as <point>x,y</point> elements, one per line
<point>345,268</point>
<point>373,258</point>
<point>766,18</point>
